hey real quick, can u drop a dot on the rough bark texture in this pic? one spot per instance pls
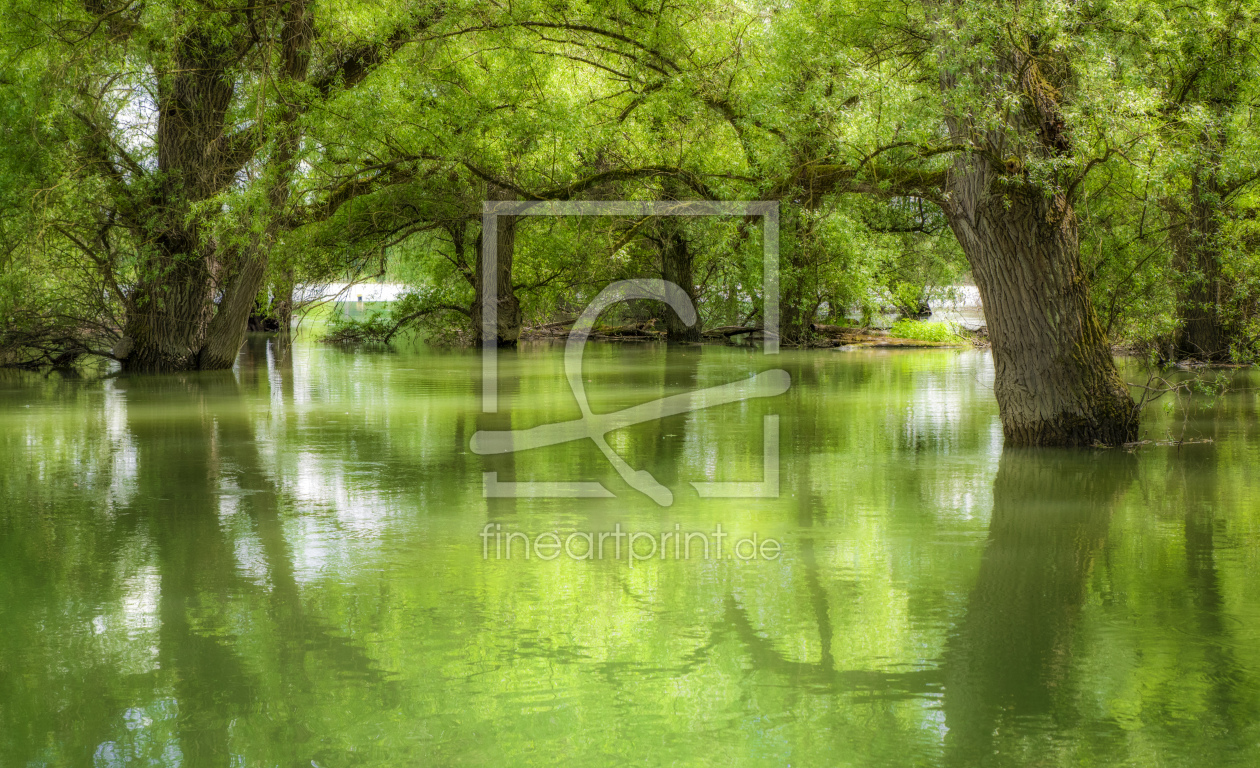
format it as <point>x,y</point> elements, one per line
<point>172,305</point>
<point>509,317</point>
<point>226,332</point>
<point>794,316</point>
<point>1056,381</point>
<point>284,287</point>
<point>190,307</point>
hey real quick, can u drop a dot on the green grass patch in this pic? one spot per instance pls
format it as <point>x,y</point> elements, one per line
<point>922,331</point>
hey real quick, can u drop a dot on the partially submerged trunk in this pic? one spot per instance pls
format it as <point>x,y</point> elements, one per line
<point>200,262</point>
<point>676,267</point>
<point>191,307</point>
<point>508,317</point>
<point>284,287</point>
<point>1056,382</point>
<point>226,331</point>
<point>170,310</point>
<point>794,318</point>
<point>175,324</point>
<point>167,316</point>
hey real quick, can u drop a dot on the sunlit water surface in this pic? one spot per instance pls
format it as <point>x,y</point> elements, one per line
<point>284,565</point>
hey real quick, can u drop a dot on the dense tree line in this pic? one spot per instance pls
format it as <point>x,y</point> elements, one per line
<point>172,167</point>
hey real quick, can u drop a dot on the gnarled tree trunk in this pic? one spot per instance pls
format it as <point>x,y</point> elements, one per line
<point>794,319</point>
<point>1056,382</point>
<point>226,332</point>
<point>190,308</point>
<point>284,287</point>
<point>171,307</point>
<point>167,315</point>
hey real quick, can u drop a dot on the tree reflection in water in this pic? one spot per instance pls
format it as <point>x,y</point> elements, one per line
<point>1009,659</point>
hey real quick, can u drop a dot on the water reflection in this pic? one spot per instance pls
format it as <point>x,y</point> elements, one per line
<point>1230,696</point>
<point>1009,661</point>
<point>281,566</point>
<point>197,464</point>
<point>663,442</point>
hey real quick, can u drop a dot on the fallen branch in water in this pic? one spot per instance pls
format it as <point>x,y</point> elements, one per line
<point>1174,443</point>
<point>731,330</point>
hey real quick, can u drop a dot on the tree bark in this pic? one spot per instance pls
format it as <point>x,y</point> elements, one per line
<point>170,311</point>
<point>794,320</point>
<point>190,309</point>
<point>284,286</point>
<point>676,267</point>
<point>1056,382</point>
<point>168,315</point>
<point>226,331</point>
<point>508,319</point>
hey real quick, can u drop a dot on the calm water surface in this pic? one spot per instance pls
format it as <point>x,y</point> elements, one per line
<point>283,566</point>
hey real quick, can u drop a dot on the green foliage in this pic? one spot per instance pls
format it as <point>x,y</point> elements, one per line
<point>924,331</point>
<point>803,103</point>
<point>374,328</point>
<point>381,328</point>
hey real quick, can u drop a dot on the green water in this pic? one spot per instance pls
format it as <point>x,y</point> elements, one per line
<point>283,566</point>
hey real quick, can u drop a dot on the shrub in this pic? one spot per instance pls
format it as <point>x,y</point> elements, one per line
<point>924,331</point>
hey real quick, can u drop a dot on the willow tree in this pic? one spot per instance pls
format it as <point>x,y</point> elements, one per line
<point>971,107</point>
<point>1008,198</point>
<point>966,106</point>
<point>184,129</point>
<point>515,115</point>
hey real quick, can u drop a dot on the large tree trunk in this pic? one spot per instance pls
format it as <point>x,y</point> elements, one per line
<point>170,310</point>
<point>676,267</point>
<point>168,315</point>
<point>175,324</point>
<point>1056,382</point>
<point>508,317</point>
<point>226,331</point>
<point>1202,293</point>
<point>284,287</point>
<point>190,308</point>
<point>794,320</point>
